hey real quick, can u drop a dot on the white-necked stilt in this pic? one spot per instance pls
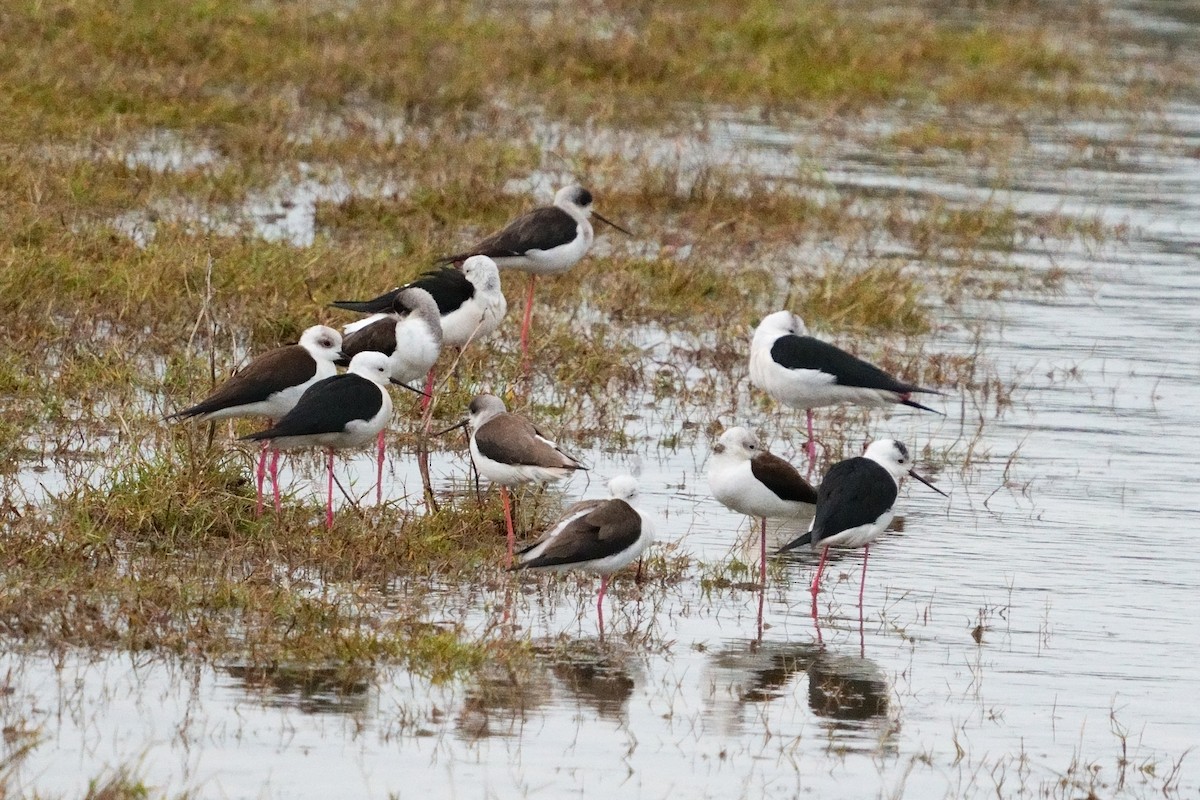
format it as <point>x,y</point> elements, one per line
<point>545,241</point>
<point>752,481</point>
<point>269,386</point>
<point>510,450</point>
<point>600,536</point>
<point>411,337</point>
<point>469,300</point>
<point>856,502</point>
<point>807,373</point>
<point>344,411</point>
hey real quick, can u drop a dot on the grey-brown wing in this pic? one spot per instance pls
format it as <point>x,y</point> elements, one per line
<point>611,528</point>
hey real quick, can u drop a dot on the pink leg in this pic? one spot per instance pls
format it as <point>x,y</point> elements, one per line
<point>428,398</point>
<point>275,479</point>
<point>508,521</point>
<point>382,448</point>
<point>259,477</point>
<point>528,316</point>
<point>329,503</point>
<point>600,604</point>
<point>863,586</point>
<point>820,569</point>
<point>812,442</point>
<point>762,554</point>
<point>762,596</point>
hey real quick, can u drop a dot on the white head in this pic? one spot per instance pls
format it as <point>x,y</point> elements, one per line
<point>483,273</point>
<point>624,487</point>
<point>483,408</point>
<point>421,304</point>
<point>781,323</point>
<point>891,455</point>
<point>574,195</point>
<point>322,343</point>
<point>373,366</point>
<point>737,443</point>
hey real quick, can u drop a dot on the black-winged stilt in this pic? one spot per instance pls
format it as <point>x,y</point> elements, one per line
<point>344,411</point>
<point>545,241</point>
<point>510,450</point>
<point>411,337</point>
<point>807,373</point>
<point>752,481</point>
<point>469,301</point>
<point>600,536</point>
<point>269,386</point>
<point>856,502</point>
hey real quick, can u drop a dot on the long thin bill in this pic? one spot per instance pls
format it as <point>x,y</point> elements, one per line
<point>453,427</point>
<point>413,389</point>
<point>611,223</point>
<point>913,473</point>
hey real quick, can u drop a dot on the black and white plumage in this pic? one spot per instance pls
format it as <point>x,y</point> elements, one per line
<point>469,301</point>
<point>344,411</point>
<point>410,336</point>
<point>545,241</point>
<point>752,481</point>
<point>600,536</point>
<point>806,373</point>
<point>269,386</point>
<point>856,502</point>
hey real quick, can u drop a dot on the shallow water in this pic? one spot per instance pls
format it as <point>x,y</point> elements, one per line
<point>1067,546</point>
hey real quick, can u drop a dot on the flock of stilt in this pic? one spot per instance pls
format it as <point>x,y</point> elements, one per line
<point>309,404</point>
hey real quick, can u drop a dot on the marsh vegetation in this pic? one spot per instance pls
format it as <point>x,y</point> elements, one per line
<point>183,185</point>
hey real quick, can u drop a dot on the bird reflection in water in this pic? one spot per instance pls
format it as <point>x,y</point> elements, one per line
<point>850,692</point>
<point>589,672</point>
<point>596,674</point>
<point>312,690</point>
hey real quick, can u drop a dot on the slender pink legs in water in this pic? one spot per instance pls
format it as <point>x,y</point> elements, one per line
<point>762,555</point>
<point>600,604</point>
<point>381,447</point>
<point>528,316</point>
<point>863,586</point>
<point>508,521</point>
<point>275,479</point>
<point>260,476</point>
<point>329,503</point>
<point>816,584</point>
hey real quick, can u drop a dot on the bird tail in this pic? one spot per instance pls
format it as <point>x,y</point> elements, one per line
<point>802,539</point>
<point>375,305</point>
<point>258,436</point>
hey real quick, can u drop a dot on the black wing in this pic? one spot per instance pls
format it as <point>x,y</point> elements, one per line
<point>376,305</point>
<point>378,337</point>
<point>854,492</point>
<point>805,352</point>
<point>540,229</point>
<point>448,285</point>
<point>782,478</point>
<point>327,407</point>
